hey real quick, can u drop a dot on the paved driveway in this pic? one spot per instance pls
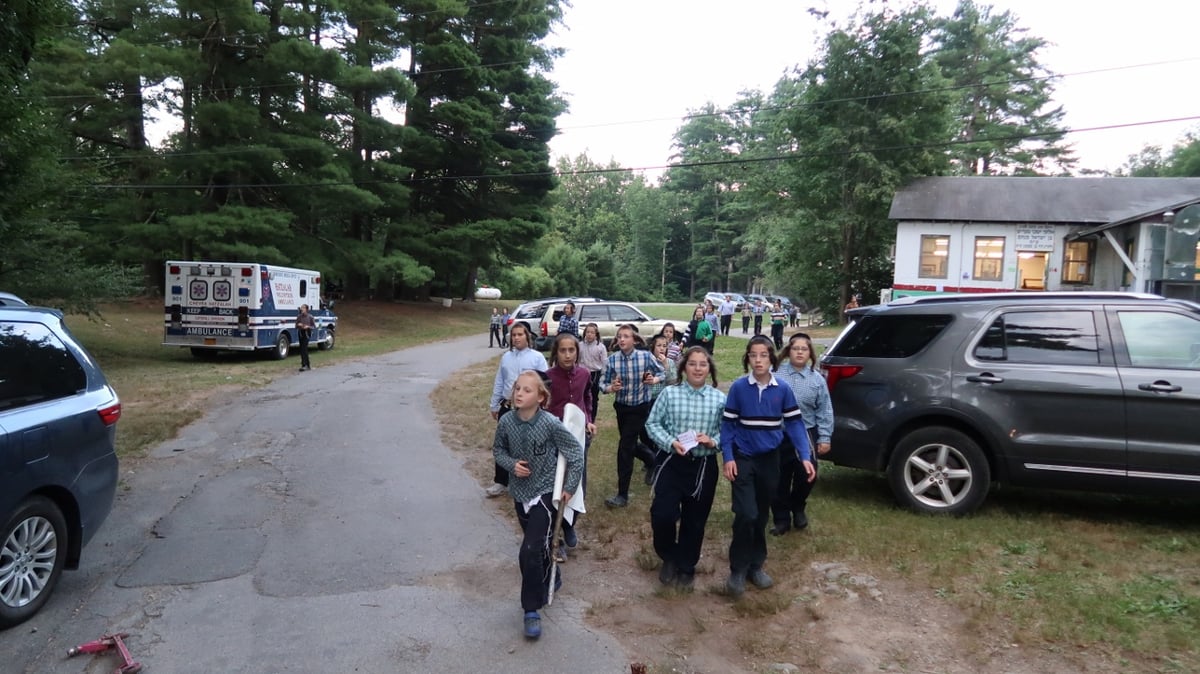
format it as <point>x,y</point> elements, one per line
<point>314,525</point>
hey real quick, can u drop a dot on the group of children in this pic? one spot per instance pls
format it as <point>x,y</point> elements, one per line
<point>686,432</point>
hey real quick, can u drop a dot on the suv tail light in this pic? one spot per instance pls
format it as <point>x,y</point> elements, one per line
<point>110,414</point>
<point>836,373</point>
<point>545,329</point>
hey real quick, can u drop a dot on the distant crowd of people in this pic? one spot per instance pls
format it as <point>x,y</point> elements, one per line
<point>763,437</point>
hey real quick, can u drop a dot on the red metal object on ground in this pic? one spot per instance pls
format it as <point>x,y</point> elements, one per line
<point>106,642</point>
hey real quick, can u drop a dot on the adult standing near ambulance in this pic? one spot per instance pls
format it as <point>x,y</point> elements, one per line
<point>305,323</point>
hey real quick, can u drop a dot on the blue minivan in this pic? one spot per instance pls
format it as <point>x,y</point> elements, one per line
<point>58,461</point>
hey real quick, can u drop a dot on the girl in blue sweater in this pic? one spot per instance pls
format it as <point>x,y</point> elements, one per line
<point>759,410</point>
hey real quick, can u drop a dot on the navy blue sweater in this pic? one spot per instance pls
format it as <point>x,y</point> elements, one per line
<point>755,419</point>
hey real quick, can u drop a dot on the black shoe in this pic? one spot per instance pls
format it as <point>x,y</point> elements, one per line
<point>617,501</point>
<point>685,581</point>
<point>781,528</point>
<point>666,573</point>
<point>736,585</point>
<point>800,521</point>
<point>649,477</point>
<point>570,537</point>
<point>760,579</point>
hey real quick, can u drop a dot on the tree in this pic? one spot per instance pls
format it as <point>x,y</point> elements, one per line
<point>1005,121</point>
<point>1182,161</point>
<point>870,113</point>
<point>45,256</point>
<point>480,121</point>
<point>703,184</point>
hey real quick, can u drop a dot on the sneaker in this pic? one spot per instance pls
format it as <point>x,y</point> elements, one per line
<point>666,573</point>
<point>617,501</point>
<point>533,625</point>
<point>736,585</point>
<point>560,555</point>
<point>570,537</point>
<point>760,579</point>
<point>495,490</point>
<point>801,520</point>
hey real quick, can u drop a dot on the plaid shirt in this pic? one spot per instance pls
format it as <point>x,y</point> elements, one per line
<point>568,324</point>
<point>630,368</point>
<point>812,395</point>
<point>683,408</point>
<point>669,378</point>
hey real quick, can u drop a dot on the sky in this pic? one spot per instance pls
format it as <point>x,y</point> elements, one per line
<point>633,68</point>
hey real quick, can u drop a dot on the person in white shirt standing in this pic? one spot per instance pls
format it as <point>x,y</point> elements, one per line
<point>727,309</point>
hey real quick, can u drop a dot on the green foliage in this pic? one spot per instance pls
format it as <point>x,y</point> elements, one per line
<point>864,132</point>
<point>1182,161</point>
<point>1006,123</point>
<point>523,281</point>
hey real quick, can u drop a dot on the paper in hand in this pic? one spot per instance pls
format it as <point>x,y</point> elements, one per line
<point>688,440</point>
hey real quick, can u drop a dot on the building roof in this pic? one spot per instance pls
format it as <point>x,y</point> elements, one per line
<point>1081,201</point>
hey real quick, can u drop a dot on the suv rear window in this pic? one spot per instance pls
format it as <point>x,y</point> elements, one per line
<point>891,336</point>
<point>535,311</point>
<point>35,366</point>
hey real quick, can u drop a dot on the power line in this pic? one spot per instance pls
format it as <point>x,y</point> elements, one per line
<point>715,162</point>
<point>850,99</point>
<point>729,110</point>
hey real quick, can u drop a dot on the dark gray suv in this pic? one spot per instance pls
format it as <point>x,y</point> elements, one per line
<point>948,393</point>
<point>58,465</point>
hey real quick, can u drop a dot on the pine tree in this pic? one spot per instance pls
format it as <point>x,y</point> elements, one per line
<point>1006,122</point>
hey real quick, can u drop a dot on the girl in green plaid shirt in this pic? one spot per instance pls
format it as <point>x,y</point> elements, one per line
<point>685,425</point>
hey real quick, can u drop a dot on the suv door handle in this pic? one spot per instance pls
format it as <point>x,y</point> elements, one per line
<point>985,378</point>
<point>1160,386</point>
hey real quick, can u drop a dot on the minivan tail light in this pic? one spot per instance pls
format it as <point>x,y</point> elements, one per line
<point>836,373</point>
<point>110,414</point>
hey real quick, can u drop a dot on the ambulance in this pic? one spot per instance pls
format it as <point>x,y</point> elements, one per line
<point>242,306</point>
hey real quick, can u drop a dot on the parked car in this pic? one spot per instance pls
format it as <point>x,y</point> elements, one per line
<point>11,300</point>
<point>606,315</point>
<point>58,463</point>
<point>1072,390</point>
<point>718,298</point>
<point>531,312</point>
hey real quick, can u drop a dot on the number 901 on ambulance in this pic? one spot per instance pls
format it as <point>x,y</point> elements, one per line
<point>242,306</point>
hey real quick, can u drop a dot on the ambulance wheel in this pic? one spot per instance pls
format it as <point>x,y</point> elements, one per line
<point>328,343</point>
<point>282,347</point>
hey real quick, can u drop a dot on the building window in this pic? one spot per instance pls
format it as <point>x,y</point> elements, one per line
<point>989,258</point>
<point>935,251</point>
<point>1077,261</point>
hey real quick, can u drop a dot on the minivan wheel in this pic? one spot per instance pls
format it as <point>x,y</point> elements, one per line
<point>939,470</point>
<point>32,552</point>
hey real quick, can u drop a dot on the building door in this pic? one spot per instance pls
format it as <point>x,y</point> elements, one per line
<point>1031,270</point>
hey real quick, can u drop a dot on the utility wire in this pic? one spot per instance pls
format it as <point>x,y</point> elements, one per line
<point>738,110</point>
<point>716,162</point>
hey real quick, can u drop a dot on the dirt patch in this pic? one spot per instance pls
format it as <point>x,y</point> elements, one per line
<point>824,616</point>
